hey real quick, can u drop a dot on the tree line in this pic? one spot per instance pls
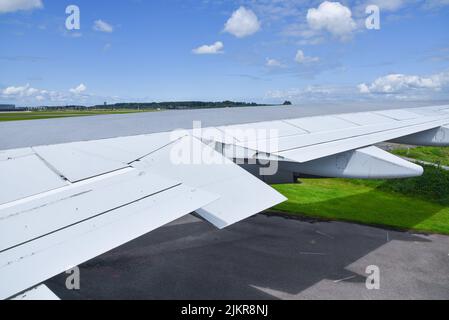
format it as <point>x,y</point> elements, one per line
<point>177,105</point>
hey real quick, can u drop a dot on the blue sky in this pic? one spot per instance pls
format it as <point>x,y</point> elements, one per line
<point>246,50</point>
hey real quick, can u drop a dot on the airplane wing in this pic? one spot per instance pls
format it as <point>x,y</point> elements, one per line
<point>62,205</point>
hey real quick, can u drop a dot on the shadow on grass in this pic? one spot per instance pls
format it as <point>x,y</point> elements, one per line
<point>419,204</point>
<point>433,185</point>
<point>379,209</point>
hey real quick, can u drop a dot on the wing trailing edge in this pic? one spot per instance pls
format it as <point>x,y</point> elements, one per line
<point>41,293</point>
<point>50,233</point>
<point>241,194</point>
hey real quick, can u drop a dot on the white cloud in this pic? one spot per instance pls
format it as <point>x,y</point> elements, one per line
<point>17,5</point>
<point>32,91</point>
<point>79,89</point>
<point>28,96</point>
<point>21,91</point>
<point>273,63</point>
<point>26,92</point>
<point>311,93</point>
<point>391,88</point>
<point>395,84</point>
<point>103,26</point>
<point>303,59</point>
<point>363,88</point>
<point>242,23</point>
<point>215,48</point>
<point>332,17</point>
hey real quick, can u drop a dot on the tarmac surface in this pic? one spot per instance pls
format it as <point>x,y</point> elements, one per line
<point>267,257</point>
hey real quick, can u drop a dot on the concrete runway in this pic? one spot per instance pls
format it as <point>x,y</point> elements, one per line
<point>267,257</point>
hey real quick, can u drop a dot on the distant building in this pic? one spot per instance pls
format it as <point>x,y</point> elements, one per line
<point>7,107</point>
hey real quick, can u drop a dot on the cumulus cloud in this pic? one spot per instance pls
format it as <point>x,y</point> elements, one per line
<point>363,88</point>
<point>392,88</point>
<point>401,83</point>
<point>79,89</point>
<point>18,5</point>
<point>242,23</point>
<point>20,91</point>
<point>311,93</point>
<point>103,26</point>
<point>332,17</point>
<point>273,63</point>
<point>301,58</point>
<point>215,48</point>
<point>27,95</point>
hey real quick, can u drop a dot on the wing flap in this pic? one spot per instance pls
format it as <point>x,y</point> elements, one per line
<point>34,219</point>
<point>25,176</point>
<point>39,293</point>
<point>76,164</point>
<point>83,160</point>
<point>38,259</point>
<point>15,153</point>
<point>241,194</point>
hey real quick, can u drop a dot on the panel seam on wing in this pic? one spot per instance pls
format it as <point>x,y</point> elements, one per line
<point>90,218</point>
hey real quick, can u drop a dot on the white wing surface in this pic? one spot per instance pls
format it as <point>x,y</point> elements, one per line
<point>79,212</point>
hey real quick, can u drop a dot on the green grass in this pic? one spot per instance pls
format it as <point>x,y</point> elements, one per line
<point>428,154</point>
<point>35,115</point>
<point>413,204</point>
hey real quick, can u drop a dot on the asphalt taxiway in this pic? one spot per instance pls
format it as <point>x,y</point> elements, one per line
<point>267,257</point>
